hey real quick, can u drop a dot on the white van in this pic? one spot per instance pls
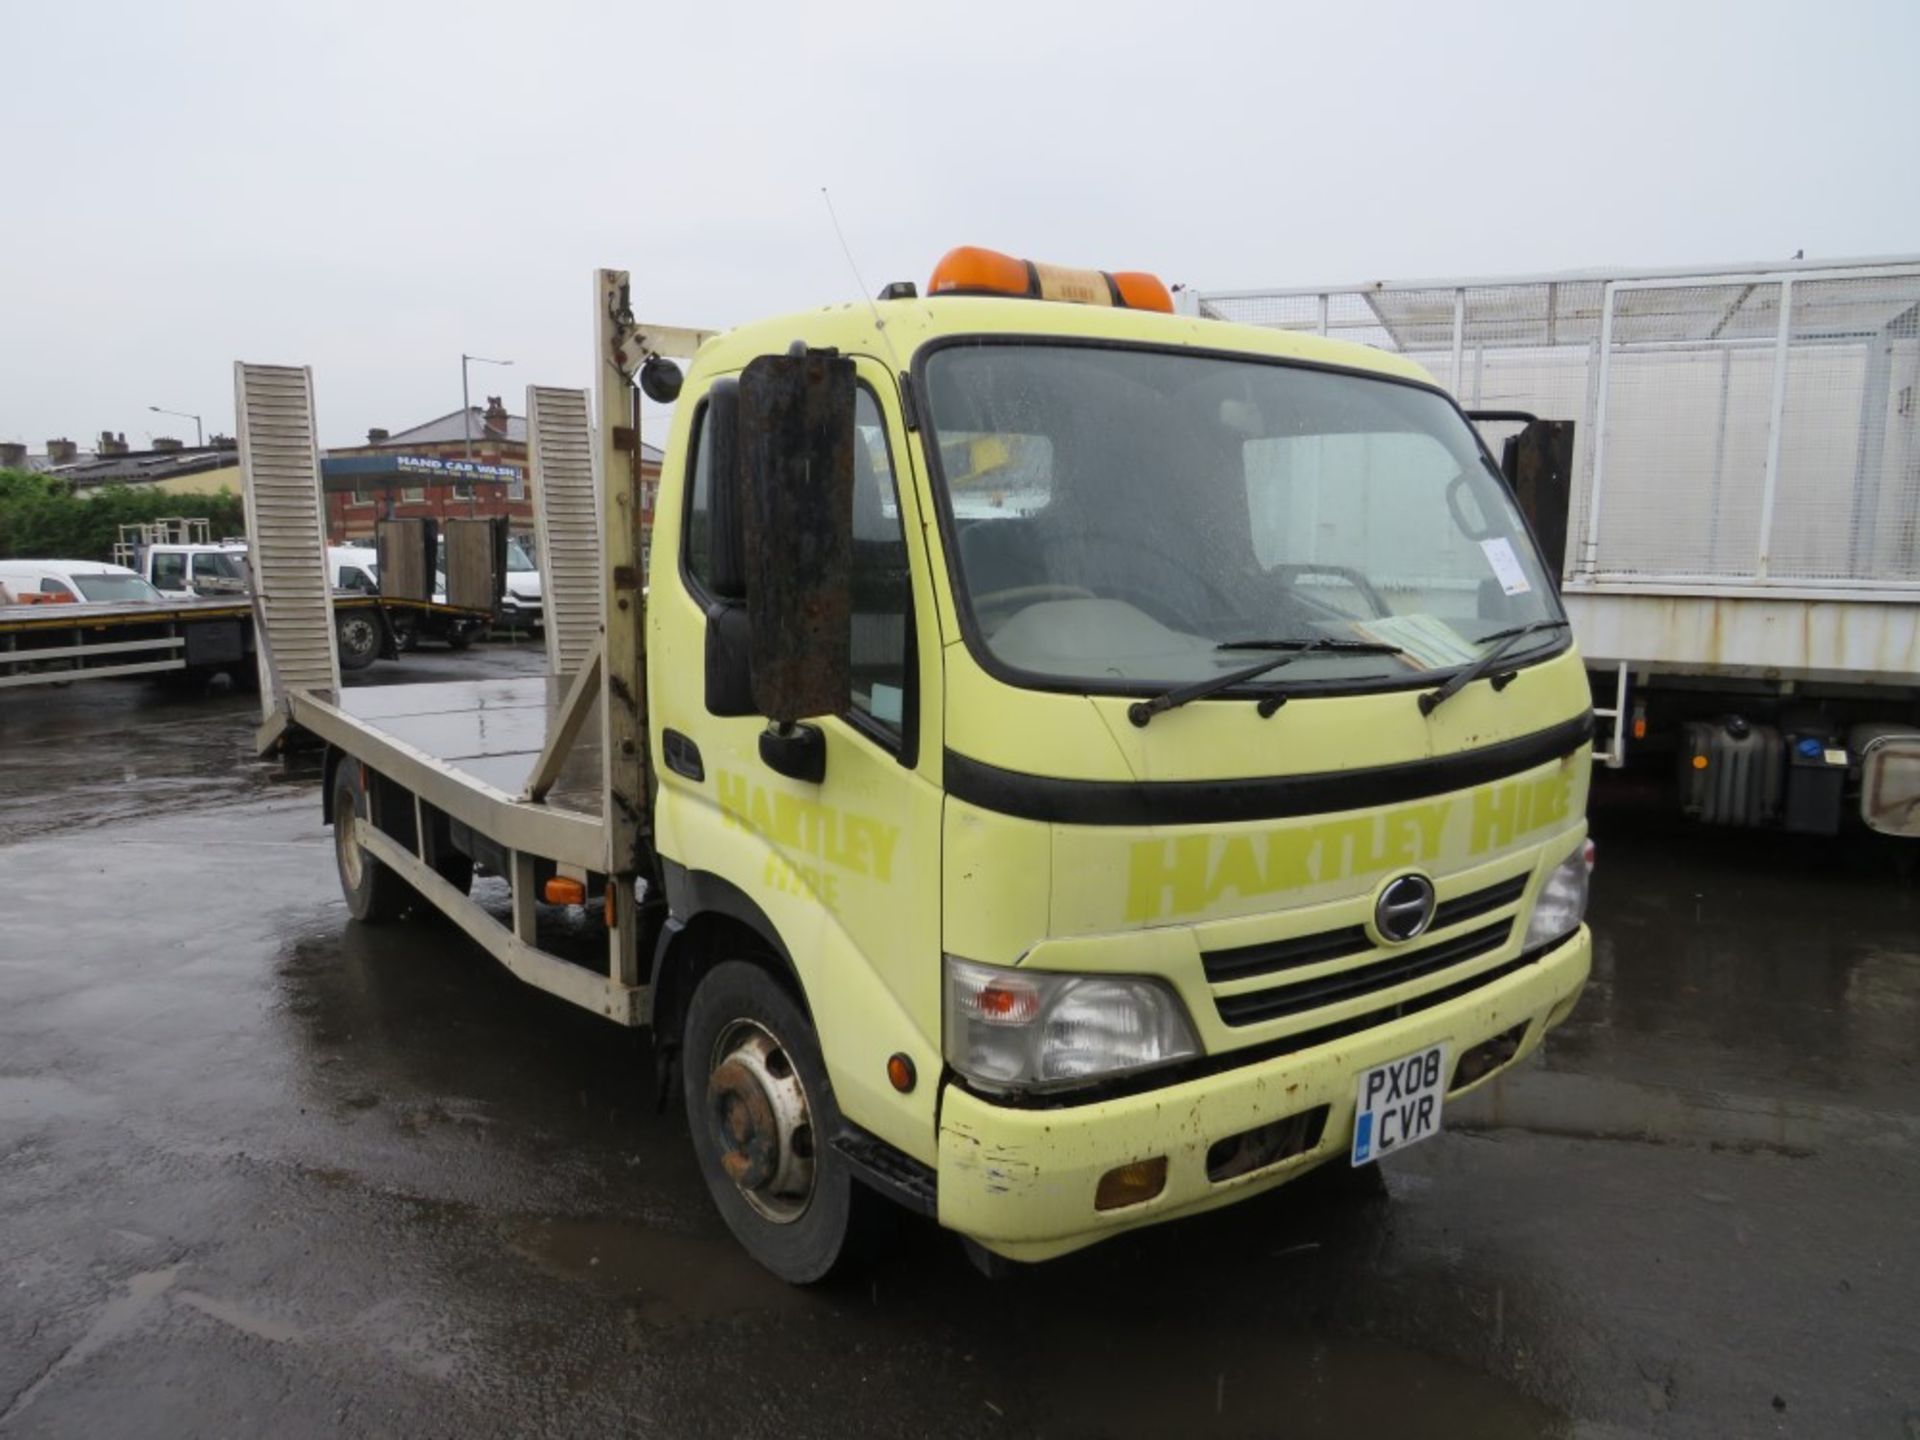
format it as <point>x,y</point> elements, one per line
<point>72,582</point>
<point>222,569</point>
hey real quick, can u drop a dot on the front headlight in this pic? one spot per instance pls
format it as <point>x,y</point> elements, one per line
<point>1029,1030</point>
<point>1563,899</point>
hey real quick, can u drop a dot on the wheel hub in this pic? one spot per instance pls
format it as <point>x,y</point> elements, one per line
<point>761,1121</point>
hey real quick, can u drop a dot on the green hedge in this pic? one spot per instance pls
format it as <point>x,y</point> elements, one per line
<point>40,520</point>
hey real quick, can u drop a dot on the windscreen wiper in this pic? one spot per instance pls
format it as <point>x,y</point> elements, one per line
<point>1432,700</point>
<point>1141,712</point>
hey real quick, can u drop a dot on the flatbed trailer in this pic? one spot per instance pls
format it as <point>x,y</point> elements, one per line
<point>60,644</point>
<point>788,809</point>
<point>512,773</point>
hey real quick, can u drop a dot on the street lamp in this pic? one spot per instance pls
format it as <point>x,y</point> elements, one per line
<point>466,405</point>
<point>199,434</point>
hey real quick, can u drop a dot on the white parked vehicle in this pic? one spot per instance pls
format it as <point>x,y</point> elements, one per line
<point>220,570</point>
<point>73,581</point>
<point>524,604</point>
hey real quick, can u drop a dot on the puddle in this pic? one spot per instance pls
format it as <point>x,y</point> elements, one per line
<point>673,1276</point>
<point>247,1322</point>
<point>116,1318</point>
<point>1547,1102</point>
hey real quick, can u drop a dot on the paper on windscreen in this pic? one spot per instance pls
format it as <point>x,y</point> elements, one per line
<point>1505,565</point>
<point>1426,642</point>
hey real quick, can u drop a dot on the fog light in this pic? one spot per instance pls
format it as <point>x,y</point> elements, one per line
<point>1131,1184</point>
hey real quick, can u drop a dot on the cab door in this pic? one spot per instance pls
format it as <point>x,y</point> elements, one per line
<point>844,869</point>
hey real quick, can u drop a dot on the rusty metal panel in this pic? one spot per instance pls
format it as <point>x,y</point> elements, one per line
<point>1779,637</point>
<point>796,449</point>
<point>626,788</point>
<point>408,551</point>
<point>476,562</point>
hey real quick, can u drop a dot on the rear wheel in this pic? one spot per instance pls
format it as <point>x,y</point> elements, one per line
<point>358,633</point>
<point>373,892</point>
<point>761,1111</point>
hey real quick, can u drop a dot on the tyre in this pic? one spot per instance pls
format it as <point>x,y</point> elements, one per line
<point>358,633</point>
<point>761,1111</point>
<point>373,892</point>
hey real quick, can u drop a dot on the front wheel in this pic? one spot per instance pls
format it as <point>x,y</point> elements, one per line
<point>373,892</point>
<point>762,1113</point>
<point>358,634</point>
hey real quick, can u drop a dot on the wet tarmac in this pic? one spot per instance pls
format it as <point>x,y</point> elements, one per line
<point>264,1171</point>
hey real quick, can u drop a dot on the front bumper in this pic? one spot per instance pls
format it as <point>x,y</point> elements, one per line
<point>1022,1182</point>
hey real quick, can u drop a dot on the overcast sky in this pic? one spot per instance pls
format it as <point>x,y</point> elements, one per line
<point>373,188</point>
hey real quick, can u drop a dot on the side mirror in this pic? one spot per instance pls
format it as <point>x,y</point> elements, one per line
<point>796,507</point>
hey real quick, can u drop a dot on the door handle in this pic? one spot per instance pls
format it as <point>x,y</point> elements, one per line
<point>682,755</point>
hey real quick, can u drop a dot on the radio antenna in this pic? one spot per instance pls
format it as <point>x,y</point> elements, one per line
<point>879,324</point>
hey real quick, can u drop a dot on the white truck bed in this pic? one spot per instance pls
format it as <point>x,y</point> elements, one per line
<point>489,730</point>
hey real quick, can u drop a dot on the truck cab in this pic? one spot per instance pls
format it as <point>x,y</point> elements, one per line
<point>1155,767</point>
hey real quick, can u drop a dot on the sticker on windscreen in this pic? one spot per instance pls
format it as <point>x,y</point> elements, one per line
<point>1505,565</point>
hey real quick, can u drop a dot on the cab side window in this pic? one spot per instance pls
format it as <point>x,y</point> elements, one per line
<point>882,590</point>
<point>170,572</point>
<point>698,540</point>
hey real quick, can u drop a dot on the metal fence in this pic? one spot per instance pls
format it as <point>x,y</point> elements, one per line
<point>1735,428</point>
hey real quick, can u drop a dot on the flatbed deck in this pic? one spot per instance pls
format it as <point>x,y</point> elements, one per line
<point>23,619</point>
<point>490,730</point>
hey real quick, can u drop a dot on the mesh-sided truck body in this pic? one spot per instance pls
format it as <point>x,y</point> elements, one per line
<point>1741,497</point>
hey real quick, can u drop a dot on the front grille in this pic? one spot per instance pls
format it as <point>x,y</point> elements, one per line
<point>1242,962</point>
<point>1248,960</point>
<point>1383,974</point>
<point>1465,907</point>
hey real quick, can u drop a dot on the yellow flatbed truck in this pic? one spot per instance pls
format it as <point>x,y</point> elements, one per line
<point>1066,765</point>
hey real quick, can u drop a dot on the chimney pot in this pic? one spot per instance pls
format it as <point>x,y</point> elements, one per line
<point>167,442</point>
<point>376,435</point>
<point>62,451</point>
<point>111,444</point>
<point>12,455</point>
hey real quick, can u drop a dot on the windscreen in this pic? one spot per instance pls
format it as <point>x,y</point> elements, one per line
<point>116,587</point>
<point>1151,518</point>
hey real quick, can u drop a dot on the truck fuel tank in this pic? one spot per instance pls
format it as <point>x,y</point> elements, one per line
<point>1731,771</point>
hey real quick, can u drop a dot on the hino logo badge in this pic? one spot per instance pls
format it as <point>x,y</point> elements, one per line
<point>1404,909</point>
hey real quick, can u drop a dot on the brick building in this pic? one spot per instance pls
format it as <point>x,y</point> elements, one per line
<point>414,486</point>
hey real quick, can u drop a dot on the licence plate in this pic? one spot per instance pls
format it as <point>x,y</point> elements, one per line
<point>1399,1103</point>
